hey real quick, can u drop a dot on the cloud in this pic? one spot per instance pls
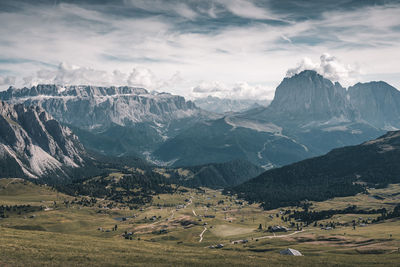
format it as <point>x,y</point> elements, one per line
<point>142,77</point>
<point>170,7</point>
<point>329,67</point>
<point>67,74</point>
<point>247,9</point>
<point>210,87</point>
<point>213,40</point>
<point>7,80</point>
<point>239,90</point>
<point>247,91</point>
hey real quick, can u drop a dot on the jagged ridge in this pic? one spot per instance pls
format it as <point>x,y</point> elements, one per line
<point>33,144</point>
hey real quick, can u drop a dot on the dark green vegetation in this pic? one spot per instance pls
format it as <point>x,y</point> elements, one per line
<point>6,211</point>
<point>342,172</point>
<point>134,181</point>
<point>117,140</point>
<point>217,175</point>
<point>9,167</point>
<point>218,141</point>
<point>309,216</point>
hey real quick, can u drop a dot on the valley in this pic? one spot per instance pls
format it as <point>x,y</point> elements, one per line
<point>151,178</point>
<point>181,228</point>
<point>199,133</point>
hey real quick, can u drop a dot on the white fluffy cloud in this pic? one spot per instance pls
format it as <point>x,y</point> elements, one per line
<point>67,74</point>
<point>142,77</point>
<point>239,90</point>
<point>210,87</point>
<point>7,80</point>
<point>329,67</point>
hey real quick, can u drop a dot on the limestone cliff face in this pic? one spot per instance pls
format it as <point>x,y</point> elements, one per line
<point>33,144</point>
<point>90,107</point>
<point>378,103</point>
<point>310,96</point>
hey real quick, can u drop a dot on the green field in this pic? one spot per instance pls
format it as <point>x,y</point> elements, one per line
<point>61,234</point>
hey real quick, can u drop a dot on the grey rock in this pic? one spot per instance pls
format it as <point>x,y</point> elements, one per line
<point>34,143</point>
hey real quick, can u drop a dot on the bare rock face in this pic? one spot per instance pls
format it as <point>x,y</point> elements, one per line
<point>33,144</point>
<point>91,107</point>
<point>113,120</point>
<point>378,104</point>
<point>310,96</point>
<point>309,116</point>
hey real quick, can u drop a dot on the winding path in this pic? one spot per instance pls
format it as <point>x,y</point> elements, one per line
<point>202,233</point>
<point>277,236</point>
<point>172,215</point>
<point>267,236</point>
<point>11,180</point>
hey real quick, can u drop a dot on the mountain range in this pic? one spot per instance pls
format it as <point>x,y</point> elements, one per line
<point>35,145</point>
<point>309,116</point>
<point>226,105</point>
<point>113,120</point>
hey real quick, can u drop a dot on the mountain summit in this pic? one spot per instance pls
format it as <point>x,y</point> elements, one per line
<point>101,107</point>
<point>378,103</point>
<point>309,116</point>
<point>310,96</point>
<point>113,120</point>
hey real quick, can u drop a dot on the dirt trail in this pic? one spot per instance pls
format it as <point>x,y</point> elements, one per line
<point>172,215</point>
<point>269,236</point>
<point>11,180</point>
<point>277,236</point>
<point>189,203</point>
<point>202,233</point>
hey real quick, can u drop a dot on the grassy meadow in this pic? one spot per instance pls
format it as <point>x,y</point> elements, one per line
<point>168,231</point>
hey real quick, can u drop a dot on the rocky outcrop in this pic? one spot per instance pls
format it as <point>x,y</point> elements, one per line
<point>309,96</point>
<point>378,103</point>
<point>91,107</point>
<point>35,144</point>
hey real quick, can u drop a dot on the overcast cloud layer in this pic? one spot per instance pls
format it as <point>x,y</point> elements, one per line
<point>227,48</point>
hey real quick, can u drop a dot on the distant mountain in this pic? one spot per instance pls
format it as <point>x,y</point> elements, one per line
<point>33,144</point>
<point>101,107</point>
<point>308,116</point>
<point>228,139</point>
<point>224,105</point>
<point>378,103</point>
<point>308,96</point>
<point>342,172</point>
<point>121,118</point>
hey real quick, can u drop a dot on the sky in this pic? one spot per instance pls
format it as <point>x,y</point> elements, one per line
<point>226,48</point>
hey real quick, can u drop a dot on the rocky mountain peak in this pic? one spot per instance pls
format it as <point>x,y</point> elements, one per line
<point>36,144</point>
<point>73,90</point>
<point>101,107</point>
<point>310,94</point>
<point>378,103</point>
